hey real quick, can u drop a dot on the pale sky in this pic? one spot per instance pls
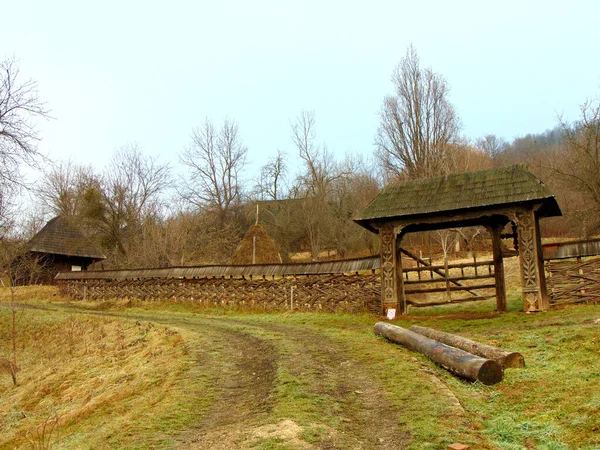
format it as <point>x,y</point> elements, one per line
<point>114,72</point>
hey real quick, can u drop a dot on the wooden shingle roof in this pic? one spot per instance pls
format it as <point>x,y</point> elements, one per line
<point>456,193</point>
<point>60,236</point>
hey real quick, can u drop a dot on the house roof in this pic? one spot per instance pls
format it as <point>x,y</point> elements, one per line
<point>60,236</point>
<point>459,192</point>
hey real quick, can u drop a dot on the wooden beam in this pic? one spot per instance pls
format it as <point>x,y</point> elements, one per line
<point>496,230</point>
<point>402,306</point>
<point>457,361</point>
<point>502,357</point>
<point>451,289</point>
<point>451,279</point>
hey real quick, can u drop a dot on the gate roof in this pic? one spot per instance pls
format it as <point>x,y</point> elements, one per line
<point>454,194</point>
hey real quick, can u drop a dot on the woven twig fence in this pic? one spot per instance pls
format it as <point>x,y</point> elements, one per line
<point>321,292</point>
<point>573,280</point>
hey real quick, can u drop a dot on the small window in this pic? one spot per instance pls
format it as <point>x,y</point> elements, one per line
<point>75,268</point>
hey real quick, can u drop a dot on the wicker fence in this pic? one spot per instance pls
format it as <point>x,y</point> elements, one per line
<point>573,271</point>
<point>573,280</point>
<point>349,286</point>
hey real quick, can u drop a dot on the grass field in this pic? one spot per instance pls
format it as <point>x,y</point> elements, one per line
<point>133,375</point>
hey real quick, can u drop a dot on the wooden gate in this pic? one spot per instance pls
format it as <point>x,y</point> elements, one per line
<point>455,282</point>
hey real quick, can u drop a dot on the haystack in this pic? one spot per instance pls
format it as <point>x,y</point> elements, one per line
<point>265,249</point>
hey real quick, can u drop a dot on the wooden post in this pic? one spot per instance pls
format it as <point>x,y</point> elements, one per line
<point>580,271</point>
<point>447,277</point>
<point>498,267</point>
<point>533,279</point>
<point>402,307</point>
<point>390,281</point>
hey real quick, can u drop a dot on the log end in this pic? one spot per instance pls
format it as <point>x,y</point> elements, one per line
<point>514,361</point>
<point>490,373</point>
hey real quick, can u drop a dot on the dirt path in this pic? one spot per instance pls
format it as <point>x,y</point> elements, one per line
<point>243,358</point>
<point>245,367</point>
<point>366,415</point>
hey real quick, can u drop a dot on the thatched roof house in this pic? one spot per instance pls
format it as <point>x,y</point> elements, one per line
<point>62,247</point>
<point>258,242</point>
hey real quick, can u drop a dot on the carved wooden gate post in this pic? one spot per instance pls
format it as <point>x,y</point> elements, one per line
<point>533,279</point>
<point>392,286</point>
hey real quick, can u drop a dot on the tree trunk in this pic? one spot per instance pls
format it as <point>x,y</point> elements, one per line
<point>459,362</point>
<point>505,358</point>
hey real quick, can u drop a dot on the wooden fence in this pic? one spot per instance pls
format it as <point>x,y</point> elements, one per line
<point>349,286</point>
<point>573,271</point>
<point>573,280</point>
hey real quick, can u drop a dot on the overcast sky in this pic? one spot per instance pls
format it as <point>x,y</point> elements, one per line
<point>114,72</point>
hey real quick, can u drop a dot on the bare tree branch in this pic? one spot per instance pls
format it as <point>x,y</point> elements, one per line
<point>417,123</point>
<point>215,160</point>
<point>19,107</point>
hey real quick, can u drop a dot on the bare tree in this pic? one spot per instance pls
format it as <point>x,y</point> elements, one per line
<point>20,106</point>
<point>316,182</point>
<point>62,188</point>
<point>271,184</point>
<point>417,123</point>
<point>578,165</point>
<point>129,193</point>
<point>215,160</point>
<point>461,157</point>
<point>492,144</point>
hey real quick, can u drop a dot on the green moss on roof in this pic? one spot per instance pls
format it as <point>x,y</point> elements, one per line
<point>456,192</point>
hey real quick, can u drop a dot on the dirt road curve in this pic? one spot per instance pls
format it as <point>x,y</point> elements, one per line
<point>282,387</point>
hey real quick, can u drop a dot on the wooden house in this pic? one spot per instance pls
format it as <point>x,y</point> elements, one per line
<point>61,247</point>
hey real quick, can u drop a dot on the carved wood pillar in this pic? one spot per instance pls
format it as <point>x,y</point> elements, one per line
<point>533,280</point>
<point>391,283</point>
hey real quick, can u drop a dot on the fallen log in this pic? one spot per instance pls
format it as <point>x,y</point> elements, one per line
<point>459,362</point>
<point>503,357</point>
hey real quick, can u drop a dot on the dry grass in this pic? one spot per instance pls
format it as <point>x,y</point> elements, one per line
<point>91,378</point>
<point>23,294</point>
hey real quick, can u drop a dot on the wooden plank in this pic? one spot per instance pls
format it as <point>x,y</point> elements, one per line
<point>451,279</point>
<point>454,300</point>
<point>450,266</point>
<point>451,288</point>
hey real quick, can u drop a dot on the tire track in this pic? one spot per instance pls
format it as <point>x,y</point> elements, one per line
<point>366,416</point>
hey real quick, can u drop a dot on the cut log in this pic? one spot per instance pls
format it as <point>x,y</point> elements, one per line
<point>459,362</point>
<point>503,357</point>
